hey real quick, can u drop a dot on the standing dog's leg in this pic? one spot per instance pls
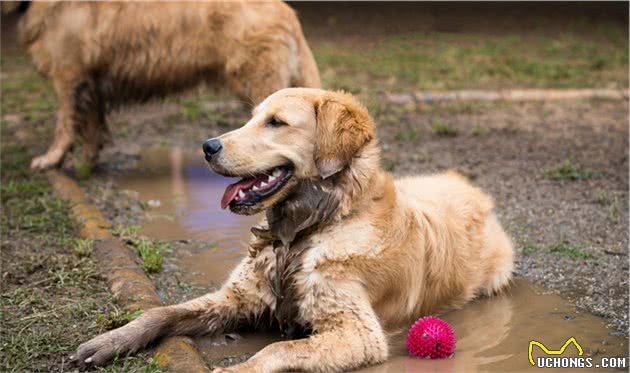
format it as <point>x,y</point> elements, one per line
<point>96,134</point>
<point>66,125</point>
<point>93,128</point>
<point>347,335</point>
<point>238,301</point>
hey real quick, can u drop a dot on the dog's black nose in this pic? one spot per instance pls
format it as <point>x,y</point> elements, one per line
<point>212,147</point>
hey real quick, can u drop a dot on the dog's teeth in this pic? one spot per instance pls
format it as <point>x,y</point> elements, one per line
<point>277,172</point>
<point>271,178</point>
<point>241,194</point>
<point>255,188</point>
<point>263,184</point>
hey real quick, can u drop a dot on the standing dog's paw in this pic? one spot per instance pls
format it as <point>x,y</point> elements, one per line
<point>45,161</point>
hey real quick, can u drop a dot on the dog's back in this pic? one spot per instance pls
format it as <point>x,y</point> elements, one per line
<point>163,47</point>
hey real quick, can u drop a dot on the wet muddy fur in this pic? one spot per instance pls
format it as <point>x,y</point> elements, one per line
<point>103,55</point>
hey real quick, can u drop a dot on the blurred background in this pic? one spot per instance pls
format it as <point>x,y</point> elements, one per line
<point>448,45</point>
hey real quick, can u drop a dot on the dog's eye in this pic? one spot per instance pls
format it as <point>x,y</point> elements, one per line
<point>273,122</point>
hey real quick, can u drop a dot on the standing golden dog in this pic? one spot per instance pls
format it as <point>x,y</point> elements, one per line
<point>344,252</point>
<point>103,54</point>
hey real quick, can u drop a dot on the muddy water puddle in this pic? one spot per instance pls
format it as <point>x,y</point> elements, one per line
<point>183,198</point>
<point>493,334</point>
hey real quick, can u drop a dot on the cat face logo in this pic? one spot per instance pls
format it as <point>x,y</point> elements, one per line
<point>553,352</point>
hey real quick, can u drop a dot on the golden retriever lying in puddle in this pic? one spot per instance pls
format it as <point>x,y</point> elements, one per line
<point>345,252</point>
<point>101,55</point>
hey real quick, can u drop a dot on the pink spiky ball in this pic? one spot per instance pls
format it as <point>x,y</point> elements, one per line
<point>431,338</point>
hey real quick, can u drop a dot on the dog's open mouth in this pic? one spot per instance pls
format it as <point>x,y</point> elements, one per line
<point>251,190</point>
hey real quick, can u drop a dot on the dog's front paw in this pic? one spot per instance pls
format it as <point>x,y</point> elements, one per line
<point>46,161</point>
<point>100,350</point>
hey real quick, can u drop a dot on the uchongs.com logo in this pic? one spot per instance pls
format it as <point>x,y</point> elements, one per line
<point>554,358</point>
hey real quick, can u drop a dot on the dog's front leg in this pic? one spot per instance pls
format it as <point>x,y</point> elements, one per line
<point>347,335</point>
<point>65,130</point>
<point>237,301</point>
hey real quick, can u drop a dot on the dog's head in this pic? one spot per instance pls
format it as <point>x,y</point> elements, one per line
<point>294,135</point>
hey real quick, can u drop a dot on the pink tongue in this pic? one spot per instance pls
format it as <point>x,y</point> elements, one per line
<point>232,190</point>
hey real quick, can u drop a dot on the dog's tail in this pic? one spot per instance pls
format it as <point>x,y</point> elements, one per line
<point>307,73</point>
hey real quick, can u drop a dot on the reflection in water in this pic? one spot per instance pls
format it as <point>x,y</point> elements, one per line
<point>189,196</point>
<point>493,333</point>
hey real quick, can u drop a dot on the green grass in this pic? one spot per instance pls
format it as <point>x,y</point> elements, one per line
<point>562,248</point>
<point>437,61</point>
<point>569,171</point>
<point>408,134</point>
<point>530,248</point>
<point>83,247</point>
<point>570,250</point>
<point>52,295</point>
<point>132,364</point>
<point>27,94</point>
<point>151,253</point>
<point>195,109</point>
<point>127,231</point>
<point>442,129</point>
<point>116,318</point>
<point>82,169</point>
<point>192,109</point>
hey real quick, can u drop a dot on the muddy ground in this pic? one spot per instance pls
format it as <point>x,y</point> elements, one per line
<point>558,171</point>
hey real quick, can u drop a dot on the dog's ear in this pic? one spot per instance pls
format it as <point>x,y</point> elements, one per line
<point>343,128</point>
